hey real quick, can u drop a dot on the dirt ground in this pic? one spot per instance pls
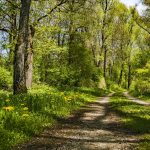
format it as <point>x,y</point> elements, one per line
<point>93,127</point>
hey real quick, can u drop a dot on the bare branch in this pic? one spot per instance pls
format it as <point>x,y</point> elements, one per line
<point>4,30</point>
<point>55,7</point>
<point>15,6</point>
<point>145,29</point>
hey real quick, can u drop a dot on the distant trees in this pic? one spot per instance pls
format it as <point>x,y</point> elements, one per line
<point>73,43</point>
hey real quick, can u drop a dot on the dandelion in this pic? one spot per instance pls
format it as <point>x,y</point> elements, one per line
<point>65,98</point>
<point>7,100</point>
<point>69,98</point>
<point>25,108</point>
<point>25,115</point>
<point>9,108</point>
<point>62,93</point>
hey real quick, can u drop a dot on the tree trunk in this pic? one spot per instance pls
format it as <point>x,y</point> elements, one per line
<point>29,59</point>
<point>21,48</point>
<point>129,76</point>
<point>121,73</point>
<point>59,38</point>
<point>63,40</point>
<point>105,61</point>
<point>71,40</point>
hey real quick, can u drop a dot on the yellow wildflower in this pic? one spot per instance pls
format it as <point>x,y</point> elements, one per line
<point>25,115</point>
<point>7,100</point>
<point>9,108</point>
<point>62,93</point>
<point>25,108</point>
<point>65,98</point>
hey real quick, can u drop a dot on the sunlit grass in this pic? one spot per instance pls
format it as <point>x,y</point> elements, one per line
<point>135,117</point>
<point>140,96</point>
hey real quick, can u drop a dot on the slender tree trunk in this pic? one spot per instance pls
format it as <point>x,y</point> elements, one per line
<point>105,62</point>
<point>59,38</point>
<point>110,70</point>
<point>21,48</point>
<point>63,40</point>
<point>94,56</point>
<point>71,40</point>
<point>129,75</point>
<point>121,73</point>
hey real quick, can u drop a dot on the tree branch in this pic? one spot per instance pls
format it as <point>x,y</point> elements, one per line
<point>55,7</point>
<point>15,6</point>
<point>4,30</point>
<point>148,31</point>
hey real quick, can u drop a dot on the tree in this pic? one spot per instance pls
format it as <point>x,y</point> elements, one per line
<point>20,54</point>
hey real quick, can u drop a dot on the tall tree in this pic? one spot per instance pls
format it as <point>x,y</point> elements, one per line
<point>21,48</point>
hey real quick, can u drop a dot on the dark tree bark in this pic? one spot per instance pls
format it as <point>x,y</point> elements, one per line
<point>121,73</point>
<point>105,62</point>
<point>63,40</point>
<point>71,40</point>
<point>129,75</point>
<point>21,48</point>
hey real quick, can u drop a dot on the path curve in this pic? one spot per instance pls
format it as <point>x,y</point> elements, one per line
<point>136,100</point>
<point>93,127</point>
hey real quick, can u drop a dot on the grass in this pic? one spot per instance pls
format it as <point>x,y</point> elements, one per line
<point>135,118</point>
<point>145,98</point>
<point>25,115</point>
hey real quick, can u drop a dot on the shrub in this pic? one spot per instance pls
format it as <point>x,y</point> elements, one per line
<point>142,87</point>
<point>5,78</point>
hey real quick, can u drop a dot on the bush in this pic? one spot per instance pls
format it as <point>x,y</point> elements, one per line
<point>142,87</point>
<point>5,78</point>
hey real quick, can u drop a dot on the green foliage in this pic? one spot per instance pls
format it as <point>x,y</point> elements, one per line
<point>5,78</point>
<point>115,87</point>
<point>141,85</point>
<point>82,70</point>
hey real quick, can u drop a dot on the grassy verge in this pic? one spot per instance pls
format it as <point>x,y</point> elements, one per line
<point>23,116</point>
<point>145,98</point>
<point>135,118</point>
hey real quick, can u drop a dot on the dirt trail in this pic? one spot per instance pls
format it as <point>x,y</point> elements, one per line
<point>93,127</point>
<point>133,99</point>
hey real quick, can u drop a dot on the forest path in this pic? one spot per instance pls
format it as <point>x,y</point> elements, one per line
<point>136,100</point>
<point>93,127</point>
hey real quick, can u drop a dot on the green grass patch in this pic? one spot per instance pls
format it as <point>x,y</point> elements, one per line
<point>22,116</point>
<point>144,97</point>
<point>135,117</point>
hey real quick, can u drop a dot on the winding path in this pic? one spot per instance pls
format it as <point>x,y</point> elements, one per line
<point>93,127</point>
<point>133,99</point>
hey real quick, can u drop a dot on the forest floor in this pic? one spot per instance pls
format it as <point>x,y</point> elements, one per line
<point>93,127</point>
